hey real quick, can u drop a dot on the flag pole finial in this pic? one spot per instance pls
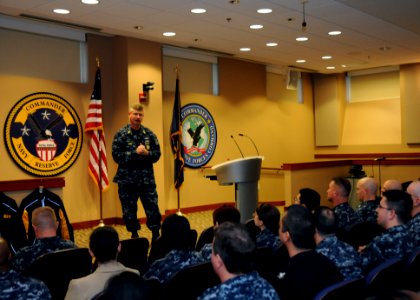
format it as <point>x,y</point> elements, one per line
<point>177,70</point>
<point>97,62</point>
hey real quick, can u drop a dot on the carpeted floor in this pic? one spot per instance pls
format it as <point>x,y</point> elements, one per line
<point>198,221</point>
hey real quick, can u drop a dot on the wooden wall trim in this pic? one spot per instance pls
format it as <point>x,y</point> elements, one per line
<point>367,155</point>
<point>30,184</point>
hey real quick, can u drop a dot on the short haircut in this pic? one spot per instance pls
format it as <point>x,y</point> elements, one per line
<point>344,186</point>
<point>235,246</point>
<point>369,184</point>
<point>176,231</point>
<point>310,198</point>
<point>126,285</point>
<point>44,218</point>
<point>137,107</point>
<point>298,221</point>
<point>103,242</point>
<point>226,213</point>
<point>325,221</point>
<point>270,216</point>
<point>401,202</point>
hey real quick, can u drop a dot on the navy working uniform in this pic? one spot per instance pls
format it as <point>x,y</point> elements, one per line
<point>14,286</point>
<point>366,211</point>
<point>135,176</point>
<point>395,242</point>
<point>248,286</point>
<point>414,230</point>
<point>345,215</point>
<point>27,255</point>
<point>267,239</point>
<point>344,256</point>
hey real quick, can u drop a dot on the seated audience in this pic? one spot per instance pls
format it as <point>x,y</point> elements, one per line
<point>14,286</point>
<point>45,225</point>
<point>125,286</point>
<point>391,184</point>
<point>104,245</point>
<point>267,219</point>
<point>221,214</point>
<point>308,272</point>
<point>394,211</point>
<point>414,224</point>
<point>308,198</point>
<point>366,189</point>
<point>343,255</point>
<point>181,256</point>
<point>172,228</point>
<point>338,192</point>
<point>233,249</point>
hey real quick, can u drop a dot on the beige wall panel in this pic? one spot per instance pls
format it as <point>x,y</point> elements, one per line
<point>410,98</point>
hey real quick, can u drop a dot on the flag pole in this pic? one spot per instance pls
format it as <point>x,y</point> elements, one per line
<point>179,213</point>
<point>101,221</point>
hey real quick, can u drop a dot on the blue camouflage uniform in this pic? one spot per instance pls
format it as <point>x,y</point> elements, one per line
<point>205,252</point>
<point>176,260</point>
<point>344,256</point>
<point>27,255</point>
<point>135,176</point>
<point>345,215</point>
<point>267,239</point>
<point>248,286</point>
<point>366,211</point>
<point>394,242</point>
<point>414,230</point>
<point>14,286</point>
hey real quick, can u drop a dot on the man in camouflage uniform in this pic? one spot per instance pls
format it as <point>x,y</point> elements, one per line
<point>394,211</point>
<point>14,286</point>
<point>232,262</point>
<point>45,226</point>
<point>338,192</point>
<point>414,224</point>
<point>366,192</point>
<point>135,149</point>
<point>340,253</point>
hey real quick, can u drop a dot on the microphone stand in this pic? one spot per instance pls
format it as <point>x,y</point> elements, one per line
<point>256,149</point>
<point>237,146</point>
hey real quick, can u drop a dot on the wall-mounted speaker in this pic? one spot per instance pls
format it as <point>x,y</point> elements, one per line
<point>293,77</point>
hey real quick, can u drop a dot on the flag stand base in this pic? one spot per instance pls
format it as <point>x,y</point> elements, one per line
<point>179,213</point>
<point>101,223</point>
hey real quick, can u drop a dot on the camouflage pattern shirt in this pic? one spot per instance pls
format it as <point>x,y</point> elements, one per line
<point>205,252</point>
<point>394,242</point>
<point>344,256</point>
<point>132,167</point>
<point>414,230</point>
<point>366,211</point>
<point>267,239</point>
<point>248,286</point>
<point>27,255</point>
<point>176,260</point>
<point>13,286</point>
<point>345,215</point>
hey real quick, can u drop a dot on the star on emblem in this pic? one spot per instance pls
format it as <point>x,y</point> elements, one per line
<point>25,131</point>
<point>65,131</point>
<point>45,115</point>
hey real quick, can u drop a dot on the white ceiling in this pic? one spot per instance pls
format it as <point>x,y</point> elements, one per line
<point>366,25</point>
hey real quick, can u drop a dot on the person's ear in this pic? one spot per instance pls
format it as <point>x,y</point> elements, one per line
<point>217,262</point>
<point>119,247</point>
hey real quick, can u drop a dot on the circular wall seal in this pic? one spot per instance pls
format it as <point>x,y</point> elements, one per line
<point>43,134</point>
<point>199,135</point>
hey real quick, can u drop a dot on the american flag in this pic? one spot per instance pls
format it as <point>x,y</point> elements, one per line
<point>98,168</point>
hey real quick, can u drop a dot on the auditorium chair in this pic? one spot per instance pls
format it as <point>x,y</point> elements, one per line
<point>133,253</point>
<point>385,277</point>
<point>351,289</point>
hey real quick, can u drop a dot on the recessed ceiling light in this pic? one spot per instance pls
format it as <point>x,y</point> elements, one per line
<point>198,10</point>
<point>61,11</point>
<point>256,26</point>
<point>301,61</point>
<point>245,49</point>
<point>264,10</point>
<point>138,27</point>
<point>330,68</point>
<point>271,44</point>
<point>302,39</point>
<point>344,66</point>
<point>327,57</point>
<point>334,32</point>
<point>169,33</point>
<point>90,1</point>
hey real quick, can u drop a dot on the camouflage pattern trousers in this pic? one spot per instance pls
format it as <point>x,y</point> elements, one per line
<point>129,195</point>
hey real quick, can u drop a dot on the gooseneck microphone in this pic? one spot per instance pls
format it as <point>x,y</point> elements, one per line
<point>256,149</point>
<point>237,145</point>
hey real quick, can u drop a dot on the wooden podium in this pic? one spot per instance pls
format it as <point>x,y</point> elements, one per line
<point>244,173</point>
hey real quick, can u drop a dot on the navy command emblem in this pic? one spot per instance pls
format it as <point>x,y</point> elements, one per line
<point>43,134</point>
<point>199,135</point>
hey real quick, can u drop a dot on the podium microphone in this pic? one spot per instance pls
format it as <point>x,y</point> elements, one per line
<point>237,145</point>
<point>241,134</point>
